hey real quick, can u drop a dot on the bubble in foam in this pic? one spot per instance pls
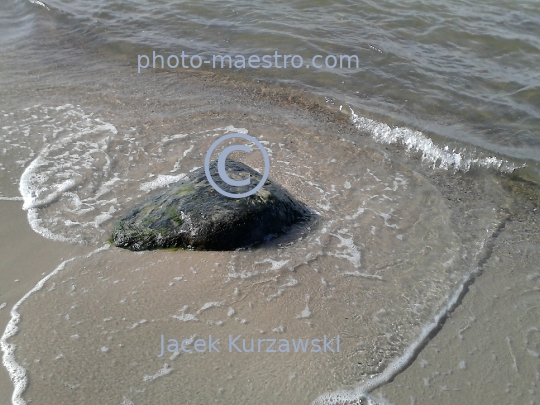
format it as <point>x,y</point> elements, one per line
<point>126,401</point>
<point>162,181</point>
<point>209,305</point>
<point>164,371</point>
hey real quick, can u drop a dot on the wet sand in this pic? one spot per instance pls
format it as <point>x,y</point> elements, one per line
<point>26,257</point>
<point>488,350</point>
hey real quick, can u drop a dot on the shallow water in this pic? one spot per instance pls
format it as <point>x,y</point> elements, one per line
<point>403,219</point>
<point>463,70</point>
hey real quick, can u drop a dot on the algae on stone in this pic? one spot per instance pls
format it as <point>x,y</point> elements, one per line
<point>192,214</point>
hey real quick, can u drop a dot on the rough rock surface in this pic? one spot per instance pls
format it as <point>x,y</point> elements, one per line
<point>191,214</point>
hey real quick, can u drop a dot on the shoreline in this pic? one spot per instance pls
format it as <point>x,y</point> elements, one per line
<point>28,269</point>
<point>487,350</point>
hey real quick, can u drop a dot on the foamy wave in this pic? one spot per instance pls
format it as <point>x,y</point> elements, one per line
<point>66,164</point>
<point>344,397</point>
<point>441,158</point>
<point>62,160</point>
<point>73,163</point>
<point>162,181</point>
<point>39,3</point>
<point>17,373</point>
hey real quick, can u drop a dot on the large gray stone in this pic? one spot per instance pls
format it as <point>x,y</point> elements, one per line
<point>191,214</point>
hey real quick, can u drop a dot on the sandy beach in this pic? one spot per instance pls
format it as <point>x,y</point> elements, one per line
<point>487,351</point>
<point>20,271</point>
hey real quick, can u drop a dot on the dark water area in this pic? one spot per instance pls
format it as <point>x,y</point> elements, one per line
<point>465,71</point>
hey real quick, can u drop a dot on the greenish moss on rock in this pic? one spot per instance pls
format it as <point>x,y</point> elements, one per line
<point>192,214</point>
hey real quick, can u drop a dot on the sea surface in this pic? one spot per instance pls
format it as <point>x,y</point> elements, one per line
<point>408,162</point>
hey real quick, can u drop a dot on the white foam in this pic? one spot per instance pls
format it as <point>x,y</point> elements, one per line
<point>39,3</point>
<point>162,181</point>
<point>11,199</point>
<point>59,167</point>
<point>188,150</point>
<point>365,275</point>
<point>185,317</point>
<point>352,253</point>
<point>16,372</point>
<point>71,169</point>
<point>343,397</point>
<point>232,128</point>
<point>306,313</point>
<point>164,371</point>
<point>440,157</point>
<point>275,265</point>
<point>169,138</point>
<point>30,187</point>
<point>35,223</point>
<point>65,173</point>
<point>104,216</point>
<point>209,305</point>
<point>126,401</point>
<point>282,288</point>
